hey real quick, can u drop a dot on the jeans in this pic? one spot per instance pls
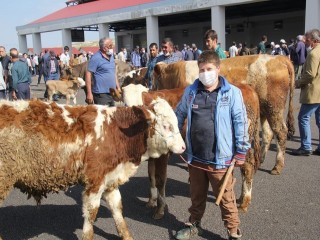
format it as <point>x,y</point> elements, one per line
<point>3,94</point>
<point>304,116</point>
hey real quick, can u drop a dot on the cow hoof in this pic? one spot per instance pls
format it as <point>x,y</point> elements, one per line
<point>157,216</point>
<point>151,204</point>
<point>275,172</point>
<point>242,209</point>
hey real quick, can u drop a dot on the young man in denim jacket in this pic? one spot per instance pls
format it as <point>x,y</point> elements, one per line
<point>217,133</point>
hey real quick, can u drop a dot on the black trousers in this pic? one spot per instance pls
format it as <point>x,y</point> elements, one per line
<point>103,99</point>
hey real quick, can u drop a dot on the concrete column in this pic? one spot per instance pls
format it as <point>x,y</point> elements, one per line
<point>66,40</point>
<point>103,30</point>
<point>152,30</point>
<point>312,15</point>
<point>218,23</point>
<point>23,46</point>
<point>36,40</point>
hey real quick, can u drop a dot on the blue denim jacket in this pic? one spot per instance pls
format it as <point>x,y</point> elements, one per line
<point>231,123</point>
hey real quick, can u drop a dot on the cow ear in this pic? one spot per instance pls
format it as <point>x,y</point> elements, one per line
<point>157,68</point>
<point>141,113</point>
<point>146,98</point>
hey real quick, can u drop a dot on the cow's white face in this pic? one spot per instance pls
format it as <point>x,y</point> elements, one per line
<point>132,94</point>
<point>81,82</point>
<point>167,136</point>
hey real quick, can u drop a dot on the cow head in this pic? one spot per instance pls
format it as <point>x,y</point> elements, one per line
<point>82,83</point>
<point>132,94</point>
<point>166,136</point>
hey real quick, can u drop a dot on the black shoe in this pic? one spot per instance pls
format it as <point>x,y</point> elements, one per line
<point>316,152</point>
<point>301,152</point>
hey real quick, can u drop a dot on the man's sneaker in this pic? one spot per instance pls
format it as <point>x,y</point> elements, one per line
<point>190,230</point>
<point>301,152</point>
<point>235,236</point>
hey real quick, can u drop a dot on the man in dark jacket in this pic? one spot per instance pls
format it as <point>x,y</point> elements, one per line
<point>21,77</point>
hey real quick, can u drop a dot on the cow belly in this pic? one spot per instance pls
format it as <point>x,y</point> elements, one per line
<point>34,166</point>
<point>119,176</point>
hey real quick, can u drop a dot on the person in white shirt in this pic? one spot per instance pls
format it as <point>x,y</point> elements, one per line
<point>2,84</point>
<point>233,50</point>
<point>121,56</point>
<point>64,57</point>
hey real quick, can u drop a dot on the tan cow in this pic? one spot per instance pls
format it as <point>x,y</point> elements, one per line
<point>67,88</point>
<point>135,95</point>
<point>272,77</point>
<point>48,147</point>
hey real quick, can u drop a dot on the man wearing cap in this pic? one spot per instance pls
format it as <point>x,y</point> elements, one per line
<point>301,53</point>
<point>284,48</point>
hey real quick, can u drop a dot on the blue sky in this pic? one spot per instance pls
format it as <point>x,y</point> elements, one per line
<point>21,12</point>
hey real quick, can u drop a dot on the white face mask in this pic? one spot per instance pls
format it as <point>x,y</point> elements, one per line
<point>109,52</point>
<point>208,78</point>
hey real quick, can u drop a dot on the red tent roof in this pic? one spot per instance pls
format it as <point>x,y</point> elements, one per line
<point>89,49</point>
<point>57,50</point>
<point>91,7</point>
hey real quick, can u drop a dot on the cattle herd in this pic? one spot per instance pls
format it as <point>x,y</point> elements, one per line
<point>47,147</point>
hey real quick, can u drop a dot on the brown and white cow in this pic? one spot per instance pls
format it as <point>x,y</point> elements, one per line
<point>272,77</point>
<point>96,146</point>
<point>135,95</point>
<point>135,77</point>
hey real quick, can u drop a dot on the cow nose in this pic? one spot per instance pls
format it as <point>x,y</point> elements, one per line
<point>183,148</point>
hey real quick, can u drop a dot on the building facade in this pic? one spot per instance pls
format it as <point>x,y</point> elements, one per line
<point>141,22</point>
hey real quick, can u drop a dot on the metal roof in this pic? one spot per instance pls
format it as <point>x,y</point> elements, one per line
<point>91,7</point>
<point>190,16</point>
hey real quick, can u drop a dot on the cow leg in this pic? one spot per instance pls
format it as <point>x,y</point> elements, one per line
<point>247,172</point>
<point>267,136</point>
<point>113,199</point>
<point>280,130</point>
<point>5,188</point>
<point>74,100</point>
<point>91,203</point>
<point>67,99</point>
<point>153,189</point>
<point>161,166</point>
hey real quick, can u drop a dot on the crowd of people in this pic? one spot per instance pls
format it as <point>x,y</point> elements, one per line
<point>46,65</point>
<point>200,100</point>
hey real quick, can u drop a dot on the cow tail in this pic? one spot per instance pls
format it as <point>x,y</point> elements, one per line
<point>290,118</point>
<point>256,144</point>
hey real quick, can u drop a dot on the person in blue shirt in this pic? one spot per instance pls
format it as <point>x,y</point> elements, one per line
<point>153,51</point>
<point>101,75</point>
<point>21,77</point>
<point>217,133</point>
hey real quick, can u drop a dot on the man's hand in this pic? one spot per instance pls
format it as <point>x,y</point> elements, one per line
<point>14,96</point>
<point>89,99</point>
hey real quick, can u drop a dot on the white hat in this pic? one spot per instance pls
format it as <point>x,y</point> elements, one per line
<point>282,41</point>
<point>277,46</point>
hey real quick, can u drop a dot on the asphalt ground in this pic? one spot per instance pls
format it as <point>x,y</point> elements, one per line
<point>285,207</point>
